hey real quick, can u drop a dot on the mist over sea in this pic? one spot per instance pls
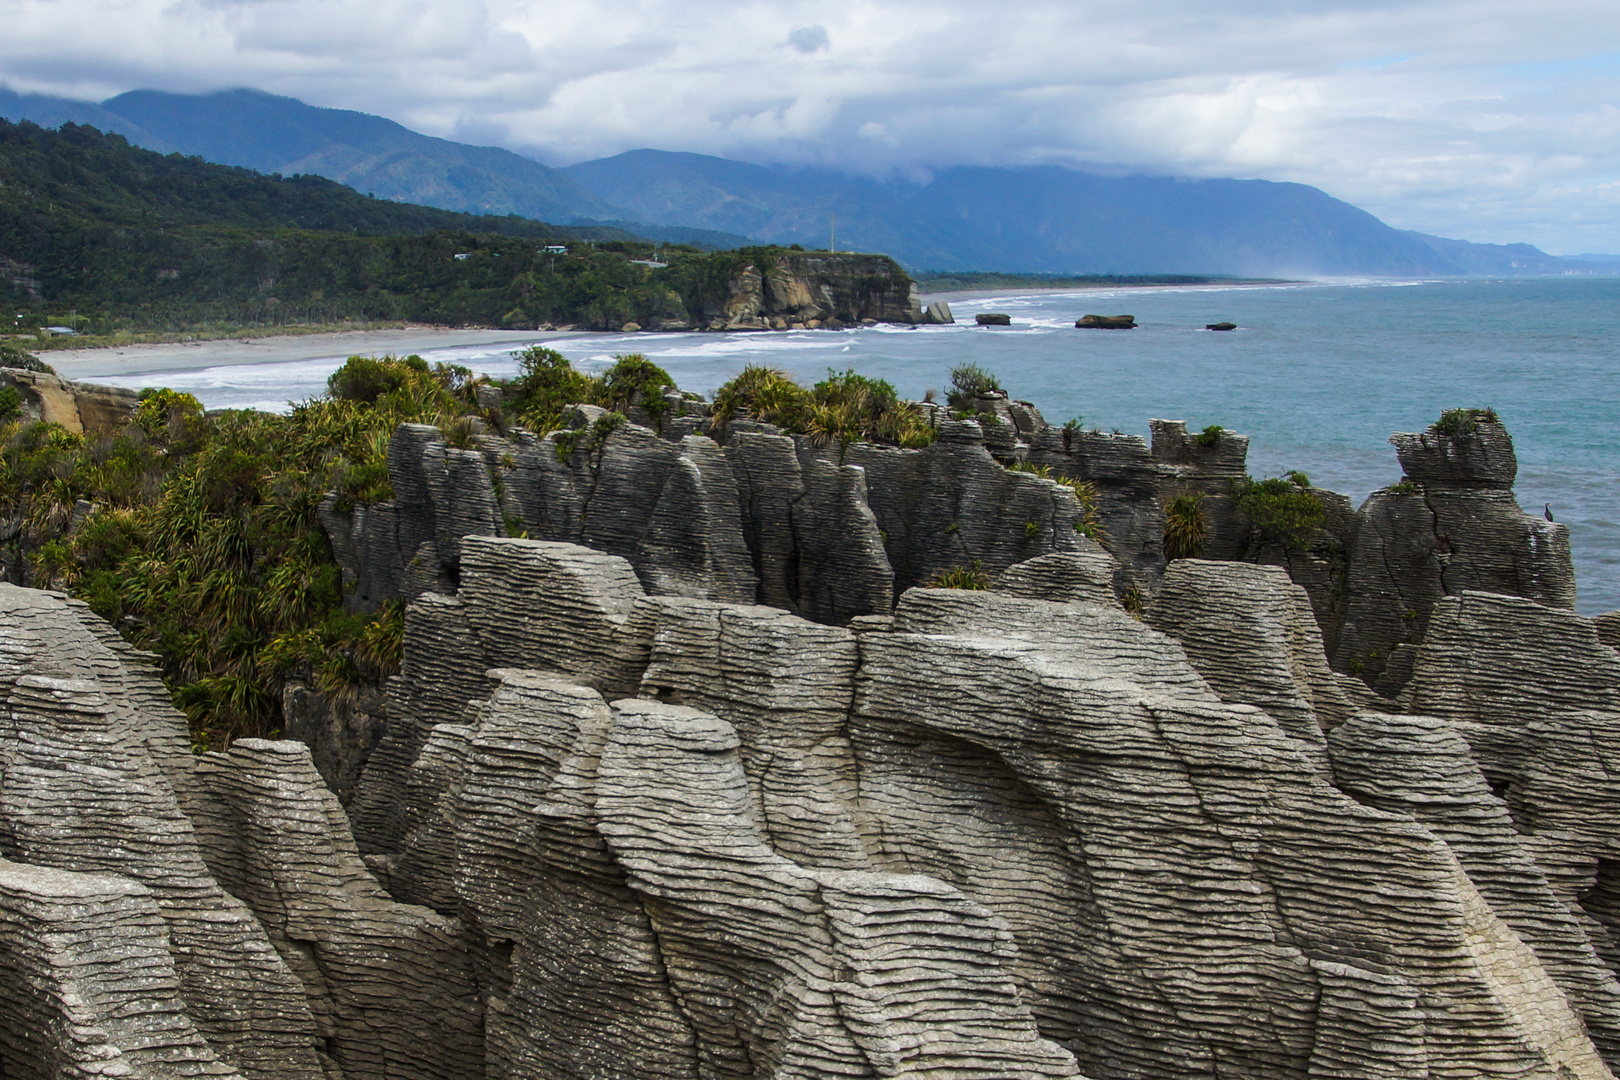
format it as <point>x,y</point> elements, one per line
<point>1317,375</point>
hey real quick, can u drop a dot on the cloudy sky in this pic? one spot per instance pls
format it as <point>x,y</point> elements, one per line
<point>1487,120</point>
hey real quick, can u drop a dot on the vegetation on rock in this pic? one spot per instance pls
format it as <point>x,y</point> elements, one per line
<point>969,383</point>
<point>1281,508</point>
<point>1461,423</point>
<point>198,537</point>
<point>969,576</point>
<point>1186,526</point>
<point>843,408</point>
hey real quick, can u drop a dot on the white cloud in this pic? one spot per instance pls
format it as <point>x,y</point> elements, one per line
<point>1486,119</point>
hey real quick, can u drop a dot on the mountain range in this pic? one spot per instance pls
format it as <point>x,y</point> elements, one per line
<point>1040,219</point>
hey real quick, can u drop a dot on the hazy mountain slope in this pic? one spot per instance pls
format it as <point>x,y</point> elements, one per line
<point>51,112</point>
<point>1056,220</point>
<point>775,205</point>
<point>1038,219</point>
<point>1046,219</point>
<point>273,134</point>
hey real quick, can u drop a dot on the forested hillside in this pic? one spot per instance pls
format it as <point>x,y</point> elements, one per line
<point>127,239</point>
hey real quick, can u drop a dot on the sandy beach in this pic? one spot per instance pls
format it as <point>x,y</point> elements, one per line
<point>92,364</point>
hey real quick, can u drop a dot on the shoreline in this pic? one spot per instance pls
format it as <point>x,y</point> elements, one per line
<point>105,361</point>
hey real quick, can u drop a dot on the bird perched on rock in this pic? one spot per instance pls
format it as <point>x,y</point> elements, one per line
<point>1547,511</point>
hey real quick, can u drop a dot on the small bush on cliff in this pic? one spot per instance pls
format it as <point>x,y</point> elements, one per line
<point>633,379</point>
<point>1209,436</point>
<point>1461,423</point>
<point>1457,423</point>
<point>843,408</point>
<point>1282,509</point>
<point>970,382</point>
<point>1186,526</point>
<point>545,387</point>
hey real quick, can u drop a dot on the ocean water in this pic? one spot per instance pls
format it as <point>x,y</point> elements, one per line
<point>1318,375</point>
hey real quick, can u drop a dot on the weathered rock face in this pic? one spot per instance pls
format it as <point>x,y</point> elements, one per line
<point>617,834</point>
<point>174,916</point>
<point>1451,525</point>
<point>77,406</point>
<point>809,289</point>
<point>977,740</point>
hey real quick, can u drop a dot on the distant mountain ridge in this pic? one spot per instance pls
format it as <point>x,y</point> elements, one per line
<point>1033,219</point>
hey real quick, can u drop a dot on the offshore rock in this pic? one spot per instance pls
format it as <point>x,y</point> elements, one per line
<point>1106,322</point>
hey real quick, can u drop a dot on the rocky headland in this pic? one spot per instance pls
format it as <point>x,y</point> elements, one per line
<point>694,769</point>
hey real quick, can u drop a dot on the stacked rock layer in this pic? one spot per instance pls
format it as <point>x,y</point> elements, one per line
<point>614,833</point>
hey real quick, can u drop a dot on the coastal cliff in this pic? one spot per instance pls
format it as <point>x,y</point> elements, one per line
<point>609,833</point>
<point>694,767</point>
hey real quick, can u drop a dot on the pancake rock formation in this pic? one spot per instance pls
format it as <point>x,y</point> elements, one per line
<point>618,829</point>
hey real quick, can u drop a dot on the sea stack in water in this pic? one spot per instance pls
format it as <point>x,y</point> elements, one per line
<point>1220,326</point>
<point>1106,322</point>
<point>992,318</point>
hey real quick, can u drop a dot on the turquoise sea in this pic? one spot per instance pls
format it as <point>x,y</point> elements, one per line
<point>1318,375</point>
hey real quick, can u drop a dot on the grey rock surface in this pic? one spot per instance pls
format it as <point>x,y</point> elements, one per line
<point>1450,526</point>
<point>90,984</point>
<point>1250,631</point>
<point>613,832</point>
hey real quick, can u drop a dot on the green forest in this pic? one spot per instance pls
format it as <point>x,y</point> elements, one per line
<point>112,238</point>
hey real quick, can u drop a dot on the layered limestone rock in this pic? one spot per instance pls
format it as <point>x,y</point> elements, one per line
<point>1450,525</point>
<point>1192,862</point>
<point>1251,633</point>
<point>90,984</point>
<point>80,791</point>
<point>166,915</point>
<point>1186,894</point>
<point>1421,767</point>
<point>670,507</point>
<point>618,827</point>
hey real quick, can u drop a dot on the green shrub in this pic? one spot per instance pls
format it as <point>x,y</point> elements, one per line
<point>843,408</point>
<point>1457,423</point>
<point>1209,436</point>
<point>969,382</point>
<point>366,378</point>
<point>205,544</point>
<point>633,379</point>
<point>11,404</point>
<point>1186,526</point>
<point>170,418</point>
<point>545,387</point>
<point>969,576</point>
<point>1280,509</point>
<point>765,394</point>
